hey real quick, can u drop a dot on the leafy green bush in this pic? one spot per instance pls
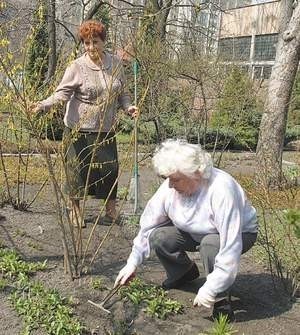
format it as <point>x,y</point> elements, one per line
<point>292,134</point>
<point>237,114</point>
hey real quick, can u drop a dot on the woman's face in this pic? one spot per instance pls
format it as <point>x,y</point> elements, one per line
<point>94,47</point>
<point>183,184</point>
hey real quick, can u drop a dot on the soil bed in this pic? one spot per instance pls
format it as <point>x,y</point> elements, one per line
<point>35,236</point>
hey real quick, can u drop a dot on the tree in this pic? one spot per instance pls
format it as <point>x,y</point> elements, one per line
<point>37,64</point>
<point>52,58</point>
<point>237,114</point>
<point>274,119</point>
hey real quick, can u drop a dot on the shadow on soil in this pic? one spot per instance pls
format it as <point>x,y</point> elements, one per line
<point>254,296</point>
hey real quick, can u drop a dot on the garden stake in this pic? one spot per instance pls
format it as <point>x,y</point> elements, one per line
<point>110,294</point>
<point>134,183</point>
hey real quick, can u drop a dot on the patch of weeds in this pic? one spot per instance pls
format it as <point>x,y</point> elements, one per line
<point>221,327</point>
<point>11,265</point>
<point>155,298</point>
<point>97,284</point>
<point>43,308</point>
<point>40,307</point>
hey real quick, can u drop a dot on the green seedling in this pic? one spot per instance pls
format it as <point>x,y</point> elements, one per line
<point>123,193</point>
<point>155,298</point>
<point>41,308</point>
<point>97,284</point>
<point>221,327</point>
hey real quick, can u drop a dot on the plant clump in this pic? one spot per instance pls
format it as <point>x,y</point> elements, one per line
<point>40,307</point>
<point>155,298</point>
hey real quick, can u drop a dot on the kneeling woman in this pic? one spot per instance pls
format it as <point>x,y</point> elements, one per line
<point>198,207</point>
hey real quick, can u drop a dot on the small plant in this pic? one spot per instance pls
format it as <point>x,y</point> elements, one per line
<point>35,246</point>
<point>97,284</point>
<point>132,221</point>
<point>123,193</point>
<point>221,327</point>
<point>156,300</point>
<point>292,217</point>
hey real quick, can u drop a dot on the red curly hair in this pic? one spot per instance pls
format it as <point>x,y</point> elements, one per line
<point>92,28</point>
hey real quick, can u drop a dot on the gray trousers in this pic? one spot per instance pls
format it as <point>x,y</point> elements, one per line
<point>170,245</point>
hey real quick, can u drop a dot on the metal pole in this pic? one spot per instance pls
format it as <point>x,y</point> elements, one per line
<point>136,172</point>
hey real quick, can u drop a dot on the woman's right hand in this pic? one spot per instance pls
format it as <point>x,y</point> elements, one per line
<point>35,108</point>
<point>126,273</point>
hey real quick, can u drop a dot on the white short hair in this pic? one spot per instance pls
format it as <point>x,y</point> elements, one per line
<point>180,156</point>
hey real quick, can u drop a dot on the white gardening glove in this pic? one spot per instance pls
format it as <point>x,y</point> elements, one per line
<point>126,273</point>
<point>203,300</point>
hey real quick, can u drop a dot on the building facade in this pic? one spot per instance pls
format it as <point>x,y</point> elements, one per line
<point>248,35</point>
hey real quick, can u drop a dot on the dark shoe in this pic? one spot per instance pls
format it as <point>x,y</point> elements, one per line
<point>108,220</point>
<point>192,274</point>
<point>223,307</point>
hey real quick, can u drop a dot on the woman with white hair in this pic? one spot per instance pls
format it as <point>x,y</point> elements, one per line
<point>197,207</point>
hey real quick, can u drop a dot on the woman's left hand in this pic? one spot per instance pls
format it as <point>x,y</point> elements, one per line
<point>201,300</point>
<point>133,111</point>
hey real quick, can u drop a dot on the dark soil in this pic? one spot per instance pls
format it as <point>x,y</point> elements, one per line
<point>259,309</point>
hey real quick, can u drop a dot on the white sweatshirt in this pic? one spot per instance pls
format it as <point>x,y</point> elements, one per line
<point>220,206</point>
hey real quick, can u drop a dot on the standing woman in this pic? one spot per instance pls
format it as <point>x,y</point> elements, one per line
<point>94,88</point>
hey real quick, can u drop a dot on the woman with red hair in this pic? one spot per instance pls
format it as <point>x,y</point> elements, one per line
<point>94,88</point>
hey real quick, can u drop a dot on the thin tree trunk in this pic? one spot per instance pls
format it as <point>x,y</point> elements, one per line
<point>52,58</point>
<point>273,123</point>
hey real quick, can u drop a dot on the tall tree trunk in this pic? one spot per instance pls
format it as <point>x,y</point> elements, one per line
<point>52,58</point>
<point>93,9</point>
<point>159,11</point>
<point>273,123</point>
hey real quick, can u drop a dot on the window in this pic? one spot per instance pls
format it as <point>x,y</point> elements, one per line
<point>235,48</point>
<point>265,47</point>
<point>231,4</point>
<point>257,72</point>
<point>267,72</point>
<point>262,72</point>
